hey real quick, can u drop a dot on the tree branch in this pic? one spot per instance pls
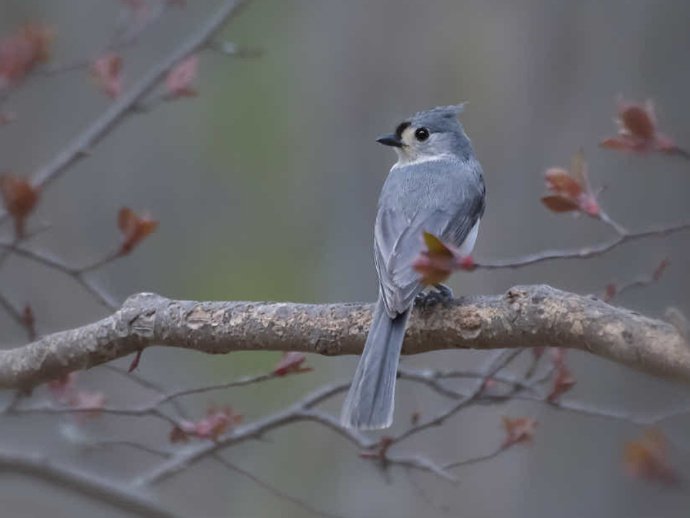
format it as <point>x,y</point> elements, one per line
<point>122,497</point>
<point>526,316</point>
<point>82,145</point>
<point>585,252</point>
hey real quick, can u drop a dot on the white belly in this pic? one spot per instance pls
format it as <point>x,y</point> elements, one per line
<point>468,245</point>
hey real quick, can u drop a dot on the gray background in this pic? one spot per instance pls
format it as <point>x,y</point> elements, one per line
<point>266,185</point>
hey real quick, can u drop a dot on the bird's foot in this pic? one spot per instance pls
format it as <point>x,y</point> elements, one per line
<point>441,294</point>
<point>445,292</point>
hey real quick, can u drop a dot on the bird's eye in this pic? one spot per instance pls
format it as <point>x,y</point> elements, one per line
<point>421,134</point>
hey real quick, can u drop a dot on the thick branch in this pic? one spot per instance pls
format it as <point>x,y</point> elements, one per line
<point>525,316</point>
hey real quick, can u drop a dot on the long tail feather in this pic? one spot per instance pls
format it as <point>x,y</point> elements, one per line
<point>371,399</point>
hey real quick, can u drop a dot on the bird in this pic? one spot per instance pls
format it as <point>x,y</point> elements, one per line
<point>436,186</point>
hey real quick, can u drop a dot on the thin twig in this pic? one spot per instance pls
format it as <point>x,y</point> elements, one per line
<point>278,493</point>
<point>608,220</point>
<point>614,290</point>
<point>59,265</point>
<point>584,252</point>
<point>122,38</point>
<point>12,311</point>
<point>88,484</point>
<point>84,143</point>
<point>476,459</point>
<point>107,443</point>
<point>497,361</point>
<point>302,410</point>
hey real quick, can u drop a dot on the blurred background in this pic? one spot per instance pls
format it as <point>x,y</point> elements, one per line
<point>265,186</point>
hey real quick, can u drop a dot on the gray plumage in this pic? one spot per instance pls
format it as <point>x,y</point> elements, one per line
<point>436,186</point>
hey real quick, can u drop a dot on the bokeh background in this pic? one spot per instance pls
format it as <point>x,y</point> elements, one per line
<point>266,185</point>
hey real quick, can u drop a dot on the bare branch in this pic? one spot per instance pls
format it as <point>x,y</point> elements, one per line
<point>11,310</point>
<point>476,459</point>
<point>586,252</point>
<point>86,483</point>
<point>614,290</point>
<point>525,316</point>
<point>126,34</point>
<point>276,492</point>
<point>497,362</point>
<point>78,274</point>
<point>102,126</point>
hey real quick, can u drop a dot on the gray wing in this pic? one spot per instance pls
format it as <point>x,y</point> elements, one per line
<point>449,214</point>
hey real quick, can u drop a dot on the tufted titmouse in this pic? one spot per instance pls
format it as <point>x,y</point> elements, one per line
<point>435,186</point>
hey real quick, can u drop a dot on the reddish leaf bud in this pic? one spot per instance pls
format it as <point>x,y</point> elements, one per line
<point>291,362</point>
<point>178,82</point>
<point>107,73</point>
<point>134,229</point>
<point>20,199</point>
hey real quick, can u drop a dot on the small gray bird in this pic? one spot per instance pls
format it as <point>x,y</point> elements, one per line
<point>435,186</point>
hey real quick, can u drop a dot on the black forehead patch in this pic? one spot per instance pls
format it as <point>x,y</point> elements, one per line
<point>401,127</point>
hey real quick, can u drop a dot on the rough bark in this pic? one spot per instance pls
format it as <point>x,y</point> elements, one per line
<point>525,316</point>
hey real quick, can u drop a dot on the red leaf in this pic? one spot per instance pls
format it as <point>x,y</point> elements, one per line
<point>647,458</point>
<point>558,180</point>
<point>91,401</point>
<point>467,263</point>
<point>557,203</point>
<point>64,390</point>
<point>291,363</point>
<point>215,423</point>
<point>29,322</point>
<point>179,80</point>
<point>177,435</point>
<point>610,292</point>
<point>437,262</point>
<point>134,229</point>
<point>617,143</point>
<point>60,387</point>
<point>107,73</point>
<point>432,270</point>
<point>638,120</point>
<point>135,362</point>
<point>563,379</point>
<point>660,269</point>
<point>518,430</point>
<point>570,190</point>
<point>638,132</point>
<point>380,450</point>
<point>20,52</point>
<point>40,38</point>
<point>20,199</point>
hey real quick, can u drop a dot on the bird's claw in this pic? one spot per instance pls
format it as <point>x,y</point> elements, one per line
<point>445,292</point>
<point>441,294</point>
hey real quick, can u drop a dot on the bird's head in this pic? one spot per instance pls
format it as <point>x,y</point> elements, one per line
<point>429,135</point>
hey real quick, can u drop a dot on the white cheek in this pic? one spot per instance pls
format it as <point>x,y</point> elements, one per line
<point>468,245</point>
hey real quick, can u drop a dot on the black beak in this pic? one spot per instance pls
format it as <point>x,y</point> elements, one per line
<point>390,140</point>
